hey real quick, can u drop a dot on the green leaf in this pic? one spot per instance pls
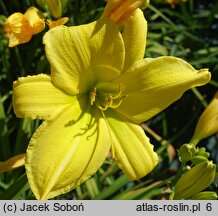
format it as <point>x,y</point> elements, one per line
<point>4,134</point>
<point>142,192</point>
<point>16,189</point>
<point>114,187</point>
<point>92,187</point>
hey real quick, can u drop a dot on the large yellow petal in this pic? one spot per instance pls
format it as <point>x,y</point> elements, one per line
<point>134,37</point>
<point>66,150</point>
<point>151,85</point>
<point>36,97</point>
<point>130,146</point>
<point>82,55</point>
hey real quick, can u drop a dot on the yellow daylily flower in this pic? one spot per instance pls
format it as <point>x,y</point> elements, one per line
<point>58,22</point>
<point>12,163</point>
<point>21,27</point>
<point>99,89</point>
<point>208,122</point>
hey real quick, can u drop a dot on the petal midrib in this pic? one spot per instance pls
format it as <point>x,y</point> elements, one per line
<point>66,159</point>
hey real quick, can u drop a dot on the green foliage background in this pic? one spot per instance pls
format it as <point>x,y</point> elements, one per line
<point>188,31</point>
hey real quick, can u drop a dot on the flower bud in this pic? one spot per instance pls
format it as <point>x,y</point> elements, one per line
<point>12,163</point>
<point>173,3</point>
<point>42,3</point>
<point>147,3</point>
<point>56,7</point>
<point>195,180</point>
<point>208,122</point>
<point>119,10</point>
<point>202,152</point>
<point>58,22</point>
<point>186,152</point>
<point>205,195</point>
<point>198,159</point>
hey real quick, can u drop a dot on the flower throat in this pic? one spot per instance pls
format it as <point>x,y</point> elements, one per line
<point>106,100</point>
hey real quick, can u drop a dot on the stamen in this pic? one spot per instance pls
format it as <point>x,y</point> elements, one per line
<point>93,96</point>
<point>104,101</point>
<point>120,91</point>
<point>101,107</point>
<point>119,103</point>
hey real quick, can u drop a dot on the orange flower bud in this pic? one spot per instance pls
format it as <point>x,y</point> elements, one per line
<point>119,10</point>
<point>173,3</point>
<point>12,163</point>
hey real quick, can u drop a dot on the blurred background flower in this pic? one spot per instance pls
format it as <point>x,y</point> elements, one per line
<point>56,8</point>
<point>208,122</point>
<point>21,27</point>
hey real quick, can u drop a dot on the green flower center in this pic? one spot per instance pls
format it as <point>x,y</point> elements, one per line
<point>105,100</point>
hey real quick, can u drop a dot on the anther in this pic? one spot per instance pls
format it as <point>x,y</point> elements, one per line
<point>93,96</point>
